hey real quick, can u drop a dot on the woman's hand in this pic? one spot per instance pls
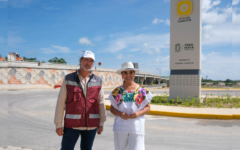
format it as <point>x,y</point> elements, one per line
<point>124,116</point>
<point>134,115</point>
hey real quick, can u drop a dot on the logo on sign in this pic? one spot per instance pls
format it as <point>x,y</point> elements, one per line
<point>178,47</point>
<point>184,8</point>
<point>188,46</point>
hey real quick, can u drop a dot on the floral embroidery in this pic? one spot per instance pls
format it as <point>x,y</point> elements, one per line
<point>139,99</point>
<point>137,96</point>
<point>128,97</point>
<point>115,91</point>
<point>143,91</point>
<point>121,89</point>
<point>118,98</point>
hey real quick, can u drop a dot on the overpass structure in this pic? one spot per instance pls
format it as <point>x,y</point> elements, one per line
<point>149,78</point>
<point>25,75</point>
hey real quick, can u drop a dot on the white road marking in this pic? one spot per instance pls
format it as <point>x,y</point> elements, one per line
<point>14,148</point>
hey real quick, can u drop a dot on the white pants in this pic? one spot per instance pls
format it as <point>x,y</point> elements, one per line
<point>128,141</point>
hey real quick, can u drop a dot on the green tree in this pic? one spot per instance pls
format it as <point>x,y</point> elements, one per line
<point>57,60</point>
<point>6,58</point>
<point>228,81</point>
<point>30,59</point>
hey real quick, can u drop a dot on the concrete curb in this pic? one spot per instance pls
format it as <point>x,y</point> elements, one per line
<point>191,115</point>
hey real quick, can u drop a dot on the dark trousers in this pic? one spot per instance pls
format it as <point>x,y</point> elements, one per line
<point>70,138</point>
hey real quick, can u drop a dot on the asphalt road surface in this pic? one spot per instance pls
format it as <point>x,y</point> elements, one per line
<point>26,121</point>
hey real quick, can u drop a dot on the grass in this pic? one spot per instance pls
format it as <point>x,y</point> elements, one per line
<point>223,101</point>
<point>236,88</point>
<point>226,88</point>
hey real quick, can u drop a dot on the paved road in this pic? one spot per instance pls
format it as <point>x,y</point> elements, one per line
<point>29,124</point>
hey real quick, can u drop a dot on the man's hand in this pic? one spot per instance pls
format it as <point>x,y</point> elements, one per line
<point>134,115</point>
<point>100,130</point>
<point>59,131</point>
<point>124,116</point>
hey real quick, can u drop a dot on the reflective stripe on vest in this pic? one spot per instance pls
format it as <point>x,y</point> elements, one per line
<point>71,116</point>
<point>93,116</point>
<point>71,83</point>
<point>91,84</point>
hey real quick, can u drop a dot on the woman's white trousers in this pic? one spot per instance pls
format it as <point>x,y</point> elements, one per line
<point>128,141</point>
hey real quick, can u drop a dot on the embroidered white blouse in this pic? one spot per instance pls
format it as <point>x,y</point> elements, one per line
<point>130,102</point>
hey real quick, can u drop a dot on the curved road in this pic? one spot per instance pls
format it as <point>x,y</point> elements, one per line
<point>29,124</point>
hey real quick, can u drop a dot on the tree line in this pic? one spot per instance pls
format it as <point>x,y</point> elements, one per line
<point>215,82</point>
<point>53,60</point>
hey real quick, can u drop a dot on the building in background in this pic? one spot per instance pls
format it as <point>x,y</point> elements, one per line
<point>2,59</point>
<point>14,57</point>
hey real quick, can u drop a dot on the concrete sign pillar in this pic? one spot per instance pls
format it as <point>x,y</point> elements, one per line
<point>185,48</point>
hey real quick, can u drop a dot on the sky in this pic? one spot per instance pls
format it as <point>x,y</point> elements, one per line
<point>118,31</point>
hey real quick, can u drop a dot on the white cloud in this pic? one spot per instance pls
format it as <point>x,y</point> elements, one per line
<point>19,3</point>
<point>236,17</point>
<point>217,66</point>
<point>203,57</point>
<point>215,15</point>
<point>61,49</point>
<point>220,25</point>
<point>135,49</point>
<point>207,32</point>
<point>212,54</point>
<point>147,49</point>
<point>156,21</point>
<point>147,43</point>
<point>235,2</point>
<point>119,56</point>
<point>48,50</point>
<point>116,46</point>
<point>218,34</point>
<point>216,2</point>
<point>162,60</point>
<point>85,41</point>
<point>151,66</point>
<point>236,26</point>
<point>209,4</point>
<point>56,49</point>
